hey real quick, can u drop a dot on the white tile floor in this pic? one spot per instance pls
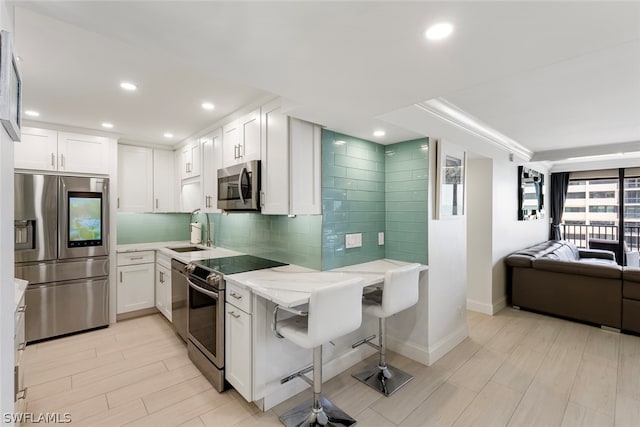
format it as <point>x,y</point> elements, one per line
<point>515,369</point>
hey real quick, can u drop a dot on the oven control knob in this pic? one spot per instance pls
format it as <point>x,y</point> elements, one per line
<point>190,268</point>
<point>213,279</point>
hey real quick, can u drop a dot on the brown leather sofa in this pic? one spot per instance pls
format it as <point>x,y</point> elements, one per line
<point>556,278</point>
<point>631,299</point>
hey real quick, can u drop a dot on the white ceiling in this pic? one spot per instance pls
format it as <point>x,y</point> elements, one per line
<point>549,75</point>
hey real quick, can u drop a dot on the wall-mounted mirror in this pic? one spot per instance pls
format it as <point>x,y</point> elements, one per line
<point>530,194</point>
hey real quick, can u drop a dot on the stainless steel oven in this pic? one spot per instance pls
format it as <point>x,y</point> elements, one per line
<point>205,323</point>
<point>239,187</point>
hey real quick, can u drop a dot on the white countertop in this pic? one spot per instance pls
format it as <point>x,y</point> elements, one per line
<point>291,285</point>
<point>186,257</point>
<point>21,287</point>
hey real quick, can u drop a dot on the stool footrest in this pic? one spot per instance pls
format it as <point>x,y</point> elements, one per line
<point>300,374</point>
<point>386,379</point>
<point>366,340</point>
<point>305,415</point>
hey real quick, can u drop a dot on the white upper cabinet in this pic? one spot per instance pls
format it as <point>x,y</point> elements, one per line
<point>274,197</point>
<point>38,149</point>
<point>190,160</point>
<point>211,162</point>
<point>241,139</point>
<point>291,162</point>
<point>135,179</point>
<point>163,181</point>
<point>48,150</point>
<point>83,153</point>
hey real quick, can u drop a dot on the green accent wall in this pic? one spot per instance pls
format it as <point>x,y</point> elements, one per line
<point>294,240</point>
<point>406,190</point>
<point>148,228</point>
<point>368,188</point>
<point>353,198</point>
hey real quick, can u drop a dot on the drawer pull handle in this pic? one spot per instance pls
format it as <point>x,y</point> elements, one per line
<point>22,346</point>
<point>22,308</point>
<point>136,257</point>
<point>233,313</point>
<point>236,296</point>
<point>22,394</point>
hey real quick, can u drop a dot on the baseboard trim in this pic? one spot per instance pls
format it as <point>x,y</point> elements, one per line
<point>410,350</point>
<point>447,344</point>
<point>137,313</point>
<point>484,308</point>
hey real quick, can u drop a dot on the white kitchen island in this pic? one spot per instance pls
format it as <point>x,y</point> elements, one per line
<point>256,360</point>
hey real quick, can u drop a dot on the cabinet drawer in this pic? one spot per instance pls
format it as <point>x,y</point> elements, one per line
<point>163,259</point>
<point>141,257</point>
<point>239,296</point>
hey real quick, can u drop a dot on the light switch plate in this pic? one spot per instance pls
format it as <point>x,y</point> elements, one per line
<point>353,240</point>
<point>381,238</point>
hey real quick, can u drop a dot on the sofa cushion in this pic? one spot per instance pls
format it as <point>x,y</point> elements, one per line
<point>608,271</point>
<point>574,249</point>
<point>563,253</point>
<point>603,261</point>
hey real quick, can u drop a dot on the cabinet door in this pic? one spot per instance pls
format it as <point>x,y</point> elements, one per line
<point>135,287</point>
<point>274,198</point>
<point>230,144</point>
<point>135,179</point>
<point>195,159</point>
<point>163,291</point>
<point>83,153</point>
<point>211,162</point>
<point>38,149</point>
<point>163,181</point>
<point>250,136</point>
<point>305,148</point>
<point>238,350</point>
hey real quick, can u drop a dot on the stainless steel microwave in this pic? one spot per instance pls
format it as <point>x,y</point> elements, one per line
<point>239,187</point>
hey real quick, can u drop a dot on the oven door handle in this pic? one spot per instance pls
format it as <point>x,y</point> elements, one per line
<point>204,291</point>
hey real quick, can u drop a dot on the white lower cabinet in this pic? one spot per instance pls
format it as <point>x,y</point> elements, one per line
<point>163,285</point>
<point>238,340</point>
<point>136,274</point>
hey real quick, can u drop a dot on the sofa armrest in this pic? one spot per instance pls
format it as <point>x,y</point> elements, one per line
<point>597,253</point>
<point>517,260</point>
<point>632,259</point>
<point>607,271</point>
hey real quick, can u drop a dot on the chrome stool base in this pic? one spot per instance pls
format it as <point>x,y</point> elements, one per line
<point>386,380</point>
<point>305,415</point>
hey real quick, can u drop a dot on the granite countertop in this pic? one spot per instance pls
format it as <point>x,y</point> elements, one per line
<point>21,287</point>
<point>291,285</point>
<point>186,257</point>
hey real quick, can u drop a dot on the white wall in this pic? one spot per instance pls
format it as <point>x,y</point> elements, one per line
<point>447,284</point>
<point>480,234</point>
<point>7,289</point>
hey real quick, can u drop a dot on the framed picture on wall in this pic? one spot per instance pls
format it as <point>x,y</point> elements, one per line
<point>10,87</point>
<point>451,164</point>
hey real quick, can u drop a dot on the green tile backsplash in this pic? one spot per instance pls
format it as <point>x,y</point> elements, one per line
<point>407,173</point>
<point>353,198</point>
<point>147,228</point>
<point>368,188</point>
<point>294,240</point>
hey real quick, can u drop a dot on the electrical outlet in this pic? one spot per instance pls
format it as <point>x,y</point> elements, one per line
<point>381,238</point>
<point>353,240</point>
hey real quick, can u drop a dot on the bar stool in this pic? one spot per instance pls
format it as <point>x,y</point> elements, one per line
<point>400,292</point>
<point>334,311</point>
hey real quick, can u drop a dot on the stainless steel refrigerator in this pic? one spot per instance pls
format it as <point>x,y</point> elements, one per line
<point>62,248</point>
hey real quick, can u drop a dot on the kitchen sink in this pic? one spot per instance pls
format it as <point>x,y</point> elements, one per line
<point>187,249</point>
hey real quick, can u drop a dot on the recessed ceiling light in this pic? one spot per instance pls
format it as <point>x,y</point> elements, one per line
<point>208,106</point>
<point>107,125</point>
<point>32,113</point>
<point>168,135</point>
<point>128,86</point>
<point>439,31</point>
<point>379,133</point>
<point>340,142</point>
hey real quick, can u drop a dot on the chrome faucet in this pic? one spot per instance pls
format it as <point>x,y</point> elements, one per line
<point>207,242</point>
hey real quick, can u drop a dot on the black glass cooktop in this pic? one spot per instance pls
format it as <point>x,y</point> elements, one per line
<point>237,264</point>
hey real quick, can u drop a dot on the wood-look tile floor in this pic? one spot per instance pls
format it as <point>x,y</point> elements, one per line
<point>515,369</point>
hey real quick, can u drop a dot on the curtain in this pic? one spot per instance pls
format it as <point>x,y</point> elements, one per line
<point>559,187</point>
